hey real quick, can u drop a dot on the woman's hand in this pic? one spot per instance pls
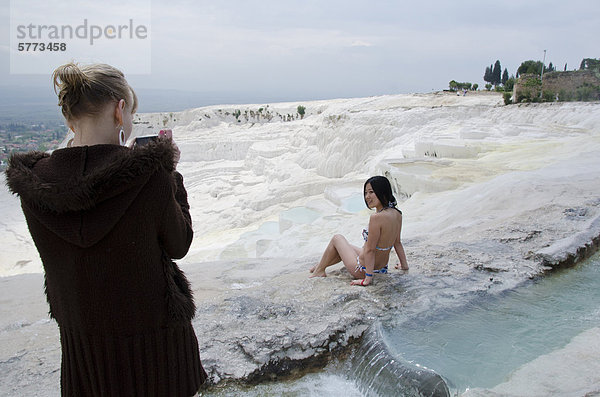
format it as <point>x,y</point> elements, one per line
<point>168,134</point>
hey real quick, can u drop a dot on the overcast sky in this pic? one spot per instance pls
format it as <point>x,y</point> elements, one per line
<point>325,49</point>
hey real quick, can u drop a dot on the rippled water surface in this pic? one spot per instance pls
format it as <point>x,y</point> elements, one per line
<point>479,344</point>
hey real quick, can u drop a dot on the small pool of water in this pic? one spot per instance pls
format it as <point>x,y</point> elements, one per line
<point>266,229</point>
<point>300,214</point>
<point>418,167</point>
<point>354,203</point>
<point>479,344</point>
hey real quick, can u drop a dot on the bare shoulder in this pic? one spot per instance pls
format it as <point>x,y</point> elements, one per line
<point>398,214</point>
<point>379,219</point>
<point>375,218</point>
<point>394,216</point>
<point>386,216</point>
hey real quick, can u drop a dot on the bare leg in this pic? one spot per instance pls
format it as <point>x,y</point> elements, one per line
<point>338,249</point>
<point>330,256</point>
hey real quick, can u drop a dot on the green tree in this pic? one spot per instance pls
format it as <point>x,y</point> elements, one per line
<point>301,109</point>
<point>504,77</point>
<point>455,85</point>
<point>475,87</point>
<point>531,67</point>
<point>488,86</point>
<point>496,74</point>
<point>590,64</point>
<point>510,84</point>
<point>487,77</point>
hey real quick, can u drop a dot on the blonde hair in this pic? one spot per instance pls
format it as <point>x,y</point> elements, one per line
<point>84,90</point>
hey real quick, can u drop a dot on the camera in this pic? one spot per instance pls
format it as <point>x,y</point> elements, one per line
<point>146,139</point>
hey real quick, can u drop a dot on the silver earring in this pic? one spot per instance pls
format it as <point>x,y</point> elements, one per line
<point>121,137</point>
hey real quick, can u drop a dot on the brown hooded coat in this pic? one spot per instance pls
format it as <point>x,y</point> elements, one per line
<point>106,221</point>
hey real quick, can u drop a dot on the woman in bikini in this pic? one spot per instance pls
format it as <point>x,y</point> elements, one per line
<point>382,235</point>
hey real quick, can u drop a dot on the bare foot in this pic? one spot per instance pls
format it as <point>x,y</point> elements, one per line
<point>317,272</point>
<point>400,267</point>
<point>312,269</point>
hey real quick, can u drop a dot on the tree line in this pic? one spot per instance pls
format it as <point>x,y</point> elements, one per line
<point>493,76</point>
<point>501,81</point>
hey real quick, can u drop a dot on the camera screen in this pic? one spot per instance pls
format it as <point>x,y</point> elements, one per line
<point>144,140</point>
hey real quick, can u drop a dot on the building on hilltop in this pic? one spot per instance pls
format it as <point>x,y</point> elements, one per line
<point>579,85</point>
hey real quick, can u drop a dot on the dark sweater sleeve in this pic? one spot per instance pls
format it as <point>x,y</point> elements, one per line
<point>176,230</point>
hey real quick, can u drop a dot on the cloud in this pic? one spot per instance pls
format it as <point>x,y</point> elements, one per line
<point>361,43</point>
<point>314,45</point>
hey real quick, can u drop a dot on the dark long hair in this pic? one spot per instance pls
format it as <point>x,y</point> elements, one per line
<point>383,190</point>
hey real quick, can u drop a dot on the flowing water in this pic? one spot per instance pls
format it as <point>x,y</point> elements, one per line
<point>474,345</point>
<point>479,344</point>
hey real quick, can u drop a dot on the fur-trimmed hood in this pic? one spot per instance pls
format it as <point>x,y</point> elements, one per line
<point>85,185</point>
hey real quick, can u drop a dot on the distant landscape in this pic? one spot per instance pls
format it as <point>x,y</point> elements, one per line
<point>35,105</point>
<point>31,120</point>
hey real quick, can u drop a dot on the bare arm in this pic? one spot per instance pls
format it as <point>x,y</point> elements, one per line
<point>401,256</point>
<point>399,248</point>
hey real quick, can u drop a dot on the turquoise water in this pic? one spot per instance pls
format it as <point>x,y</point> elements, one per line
<point>479,344</point>
<point>474,345</point>
<point>300,215</point>
<point>354,203</point>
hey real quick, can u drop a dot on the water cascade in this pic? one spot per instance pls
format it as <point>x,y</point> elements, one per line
<point>379,373</point>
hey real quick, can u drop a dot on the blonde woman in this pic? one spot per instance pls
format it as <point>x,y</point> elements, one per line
<point>107,221</point>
